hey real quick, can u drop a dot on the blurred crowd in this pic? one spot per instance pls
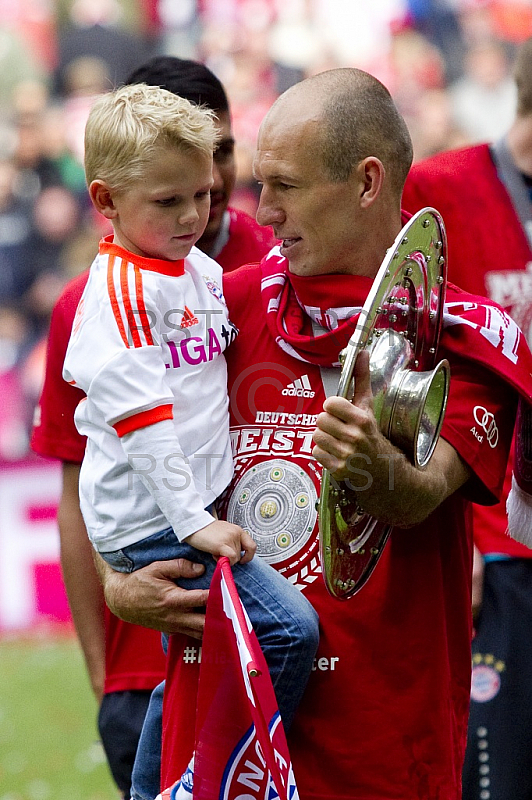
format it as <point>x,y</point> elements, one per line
<point>448,64</point>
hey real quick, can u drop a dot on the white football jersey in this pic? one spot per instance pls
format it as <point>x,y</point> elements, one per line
<point>147,345</point>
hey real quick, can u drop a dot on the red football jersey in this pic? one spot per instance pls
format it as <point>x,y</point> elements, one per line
<point>385,712</point>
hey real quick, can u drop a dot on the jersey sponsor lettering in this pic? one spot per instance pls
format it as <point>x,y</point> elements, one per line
<point>498,328</point>
<point>193,654</point>
<point>193,350</point>
<point>512,289</point>
<point>272,440</point>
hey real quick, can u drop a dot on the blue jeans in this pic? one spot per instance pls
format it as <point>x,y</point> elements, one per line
<point>285,623</point>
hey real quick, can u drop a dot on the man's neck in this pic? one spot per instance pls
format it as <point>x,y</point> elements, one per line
<point>389,223</point>
<point>214,243</point>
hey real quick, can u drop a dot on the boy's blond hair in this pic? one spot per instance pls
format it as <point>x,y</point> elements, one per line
<point>126,125</point>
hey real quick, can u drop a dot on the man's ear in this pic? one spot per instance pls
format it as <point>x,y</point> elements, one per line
<point>101,195</point>
<point>370,173</point>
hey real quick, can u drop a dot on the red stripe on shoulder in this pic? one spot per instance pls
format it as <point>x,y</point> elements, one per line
<point>114,300</point>
<point>143,316</point>
<point>128,308</point>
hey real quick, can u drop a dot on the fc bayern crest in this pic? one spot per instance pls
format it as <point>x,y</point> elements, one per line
<point>485,683</point>
<point>247,775</point>
<point>275,501</point>
<point>214,288</point>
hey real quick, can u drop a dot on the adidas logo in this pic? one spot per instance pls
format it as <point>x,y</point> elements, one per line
<point>188,319</point>
<point>299,388</point>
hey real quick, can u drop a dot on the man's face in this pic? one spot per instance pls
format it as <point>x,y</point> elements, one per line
<point>224,174</point>
<point>164,214</point>
<point>316,219</point>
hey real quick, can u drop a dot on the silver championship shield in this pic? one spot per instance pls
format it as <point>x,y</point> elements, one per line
<point>400,326</point>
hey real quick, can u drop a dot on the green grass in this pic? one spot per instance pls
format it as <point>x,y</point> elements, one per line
<point>49,747</point>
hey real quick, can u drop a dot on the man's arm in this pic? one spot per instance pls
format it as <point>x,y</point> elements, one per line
<point>150,596</point>
<point>84,591</point>
<point>349,444</point>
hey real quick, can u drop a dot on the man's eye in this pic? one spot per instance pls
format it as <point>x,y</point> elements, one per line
<point>224,153</point>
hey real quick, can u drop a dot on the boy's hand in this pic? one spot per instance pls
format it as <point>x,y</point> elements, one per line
<point>224,539</point>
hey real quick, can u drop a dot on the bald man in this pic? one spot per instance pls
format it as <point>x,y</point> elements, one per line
<point>385,712</point>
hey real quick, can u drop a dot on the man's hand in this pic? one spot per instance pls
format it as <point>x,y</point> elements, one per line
<point>224,539</point>
<point>347,430</point>
<point>150,596</point>
<point>387,485</point>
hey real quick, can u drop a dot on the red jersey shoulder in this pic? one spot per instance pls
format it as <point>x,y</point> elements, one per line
<point>248,241</point>
<point>68,300</point>
<point>242,290</point>
<point>242,223</point>
<point>444,181</point>
<point>448,164</point>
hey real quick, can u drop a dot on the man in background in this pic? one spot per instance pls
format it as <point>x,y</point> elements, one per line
<point>484,194</point>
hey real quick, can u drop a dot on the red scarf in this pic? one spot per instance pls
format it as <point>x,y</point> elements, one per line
<point>473,327</point>
<point>290,305</point>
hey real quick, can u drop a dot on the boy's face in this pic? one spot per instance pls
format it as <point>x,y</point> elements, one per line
<point>164,214</point>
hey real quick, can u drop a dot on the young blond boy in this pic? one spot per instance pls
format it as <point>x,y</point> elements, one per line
<point>147,349</point>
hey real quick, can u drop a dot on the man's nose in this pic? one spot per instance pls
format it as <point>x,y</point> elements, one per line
<point>218,184</point>
<point>268,211</point>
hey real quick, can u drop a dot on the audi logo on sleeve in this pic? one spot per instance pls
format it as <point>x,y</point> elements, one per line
<point>485,426</point>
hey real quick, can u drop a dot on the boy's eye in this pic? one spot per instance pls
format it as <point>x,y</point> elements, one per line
<point>201,195</point>
<point>166,201</point>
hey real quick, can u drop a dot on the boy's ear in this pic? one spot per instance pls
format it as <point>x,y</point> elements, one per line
<point>101,195</point>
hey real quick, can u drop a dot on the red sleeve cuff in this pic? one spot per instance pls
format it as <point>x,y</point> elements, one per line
<point>143,419</point>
